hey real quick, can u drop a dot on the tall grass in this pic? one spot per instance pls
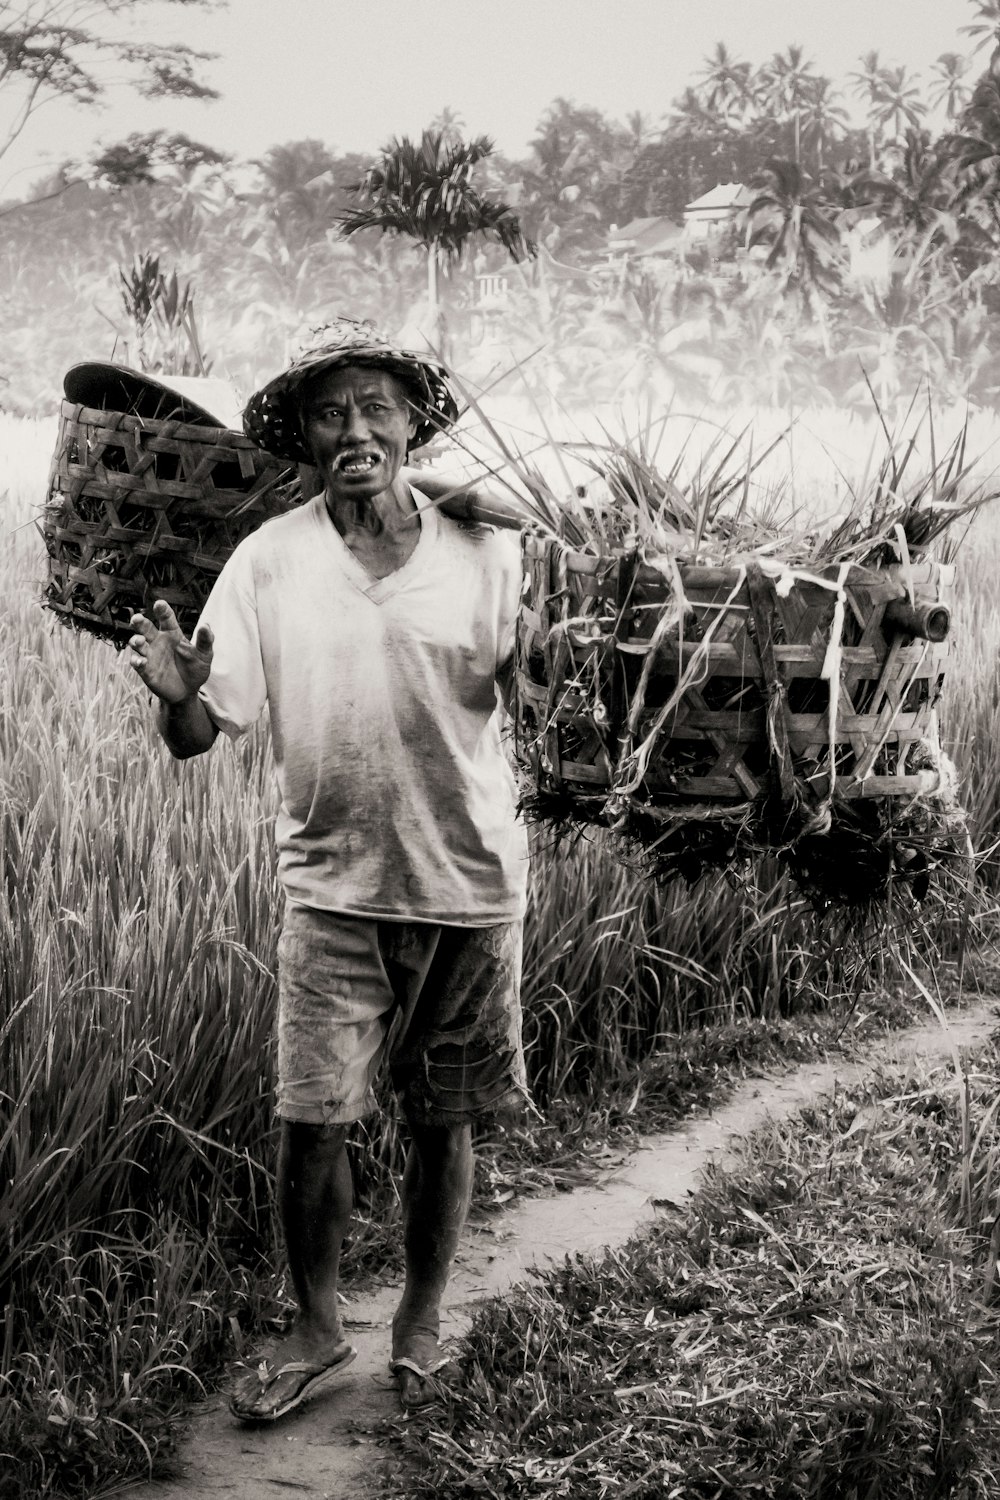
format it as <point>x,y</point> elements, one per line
<point>138,920</point>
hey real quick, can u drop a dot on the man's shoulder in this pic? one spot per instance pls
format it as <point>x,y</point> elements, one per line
<point>501,545</point>
<point>289,529</point>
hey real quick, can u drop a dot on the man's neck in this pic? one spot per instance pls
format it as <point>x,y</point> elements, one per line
<point>390,511</point>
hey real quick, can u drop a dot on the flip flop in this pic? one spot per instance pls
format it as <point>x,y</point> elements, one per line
<point>315,1377</point>
<point>425,1374</point>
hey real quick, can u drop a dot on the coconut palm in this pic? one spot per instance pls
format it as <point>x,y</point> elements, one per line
<point>424,191</point>
<point>690,115</point>
<point>572,181</point>
<point>900,101</point>
<point>449,123</point>
<point>867,85</point>
<point>899,327</point>
<point>789,216</point>
<point>975,151</point>
<point>765,362</point>
<point>298,190</point>
<point>986,26</point>
<point>951,68</point>
<point>659,346</point>
<point>640,130</point>
<point>919,196</point>
<point>786,81</point>
<point>727,84</point>
<point>822,118</point>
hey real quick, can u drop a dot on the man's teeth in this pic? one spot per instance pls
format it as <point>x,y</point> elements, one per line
<point>358,465</point>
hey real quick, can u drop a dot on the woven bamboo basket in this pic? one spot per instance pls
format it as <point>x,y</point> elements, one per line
<point>700,688</point>
<point>140,508</point>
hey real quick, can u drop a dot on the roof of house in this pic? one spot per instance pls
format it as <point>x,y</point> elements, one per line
<point>647,236</point>
<point>723,195</point>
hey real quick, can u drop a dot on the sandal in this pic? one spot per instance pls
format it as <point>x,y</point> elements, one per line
<point>425,1374</point>
<point>313,1377</point>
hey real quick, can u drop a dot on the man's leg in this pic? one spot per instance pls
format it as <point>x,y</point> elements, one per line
<point>315,1198</point>
<point>437,1187</point>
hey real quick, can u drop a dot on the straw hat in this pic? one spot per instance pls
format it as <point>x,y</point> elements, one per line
<point>271,418</point>
<point>199,399</point>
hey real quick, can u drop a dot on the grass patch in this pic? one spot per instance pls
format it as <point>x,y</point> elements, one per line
<point>811,1325</point>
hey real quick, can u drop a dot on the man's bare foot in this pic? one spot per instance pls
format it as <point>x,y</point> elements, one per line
<point>285,1373</point>
<point>417,1363</point>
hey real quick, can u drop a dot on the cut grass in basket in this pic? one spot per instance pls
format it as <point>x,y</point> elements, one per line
<point>711,675</point>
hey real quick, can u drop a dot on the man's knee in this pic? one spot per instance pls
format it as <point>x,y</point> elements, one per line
<point>441,1144</point>
<point>302,1140</point>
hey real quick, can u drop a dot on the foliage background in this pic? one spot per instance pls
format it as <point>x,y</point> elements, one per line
<point>869,252</point>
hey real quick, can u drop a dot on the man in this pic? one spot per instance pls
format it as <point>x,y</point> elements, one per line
<point>376,631</point>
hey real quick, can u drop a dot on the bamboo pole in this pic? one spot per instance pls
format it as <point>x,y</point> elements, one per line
<point>462,500</point>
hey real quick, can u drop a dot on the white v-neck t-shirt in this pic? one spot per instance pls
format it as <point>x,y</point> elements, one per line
<point>397,800</point>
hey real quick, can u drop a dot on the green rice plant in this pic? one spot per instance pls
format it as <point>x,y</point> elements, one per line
<point>139,907</point>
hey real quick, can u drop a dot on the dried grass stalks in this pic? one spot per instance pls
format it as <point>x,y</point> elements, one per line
<point>711,677</point>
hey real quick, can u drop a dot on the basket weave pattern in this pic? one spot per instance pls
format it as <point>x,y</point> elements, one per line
<point>141,509</point>
<point>708,686</point>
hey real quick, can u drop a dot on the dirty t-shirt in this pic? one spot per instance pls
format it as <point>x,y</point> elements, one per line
<point>397,800</point>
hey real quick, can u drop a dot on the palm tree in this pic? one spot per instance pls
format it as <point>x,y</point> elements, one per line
<point>571,183</point>
<point>898,327</point>
<point>299,190</point>
<point>690,115</point>
<point>951,68</point>
<point>726,83</point>
<point>656,345</point>
<point>424,191</point>
<point>640,130</point>
<point>986,27</point>
<point>919,196</point>
<point>449,123</point>
<point>787,81</point>
<point>975,151</point>
<point>868,83</point>
<point>789,216</point>
<point>900,100</point>
<point>822,116</point>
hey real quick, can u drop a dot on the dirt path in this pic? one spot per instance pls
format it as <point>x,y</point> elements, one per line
<point>327,1449</point>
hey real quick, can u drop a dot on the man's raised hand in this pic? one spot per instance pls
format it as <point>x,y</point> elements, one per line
<point>170,665</point>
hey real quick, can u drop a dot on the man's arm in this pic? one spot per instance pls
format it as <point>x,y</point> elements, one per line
<point>187,728</point>
<point>174,668</point>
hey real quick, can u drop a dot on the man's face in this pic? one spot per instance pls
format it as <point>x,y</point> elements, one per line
<point>357,424</point>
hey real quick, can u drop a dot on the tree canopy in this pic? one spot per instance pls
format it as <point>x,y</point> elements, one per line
<point>70,49</point>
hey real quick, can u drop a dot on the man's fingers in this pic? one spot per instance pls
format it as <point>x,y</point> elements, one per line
<point>203,638</point>
<point>164,615</point>
<point>197,651</point>
<point>145,629</point>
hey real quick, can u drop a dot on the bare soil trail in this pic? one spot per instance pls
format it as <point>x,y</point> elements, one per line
<point>327,1448</point>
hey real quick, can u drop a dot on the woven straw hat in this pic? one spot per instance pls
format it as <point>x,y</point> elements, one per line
<point>271,418</point>
<point>197,399</point>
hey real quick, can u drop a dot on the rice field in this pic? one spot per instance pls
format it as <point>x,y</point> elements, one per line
<point>138,923</point>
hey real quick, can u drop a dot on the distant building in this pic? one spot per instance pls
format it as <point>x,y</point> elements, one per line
<point>717,212</point>
<point>645,239</point>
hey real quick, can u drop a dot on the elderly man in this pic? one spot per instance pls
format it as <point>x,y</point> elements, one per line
<point>379,634</point>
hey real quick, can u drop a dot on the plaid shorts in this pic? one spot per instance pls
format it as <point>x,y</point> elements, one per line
<point>440,1005</point>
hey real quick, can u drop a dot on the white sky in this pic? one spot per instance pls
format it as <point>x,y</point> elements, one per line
<point>353,73</point>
